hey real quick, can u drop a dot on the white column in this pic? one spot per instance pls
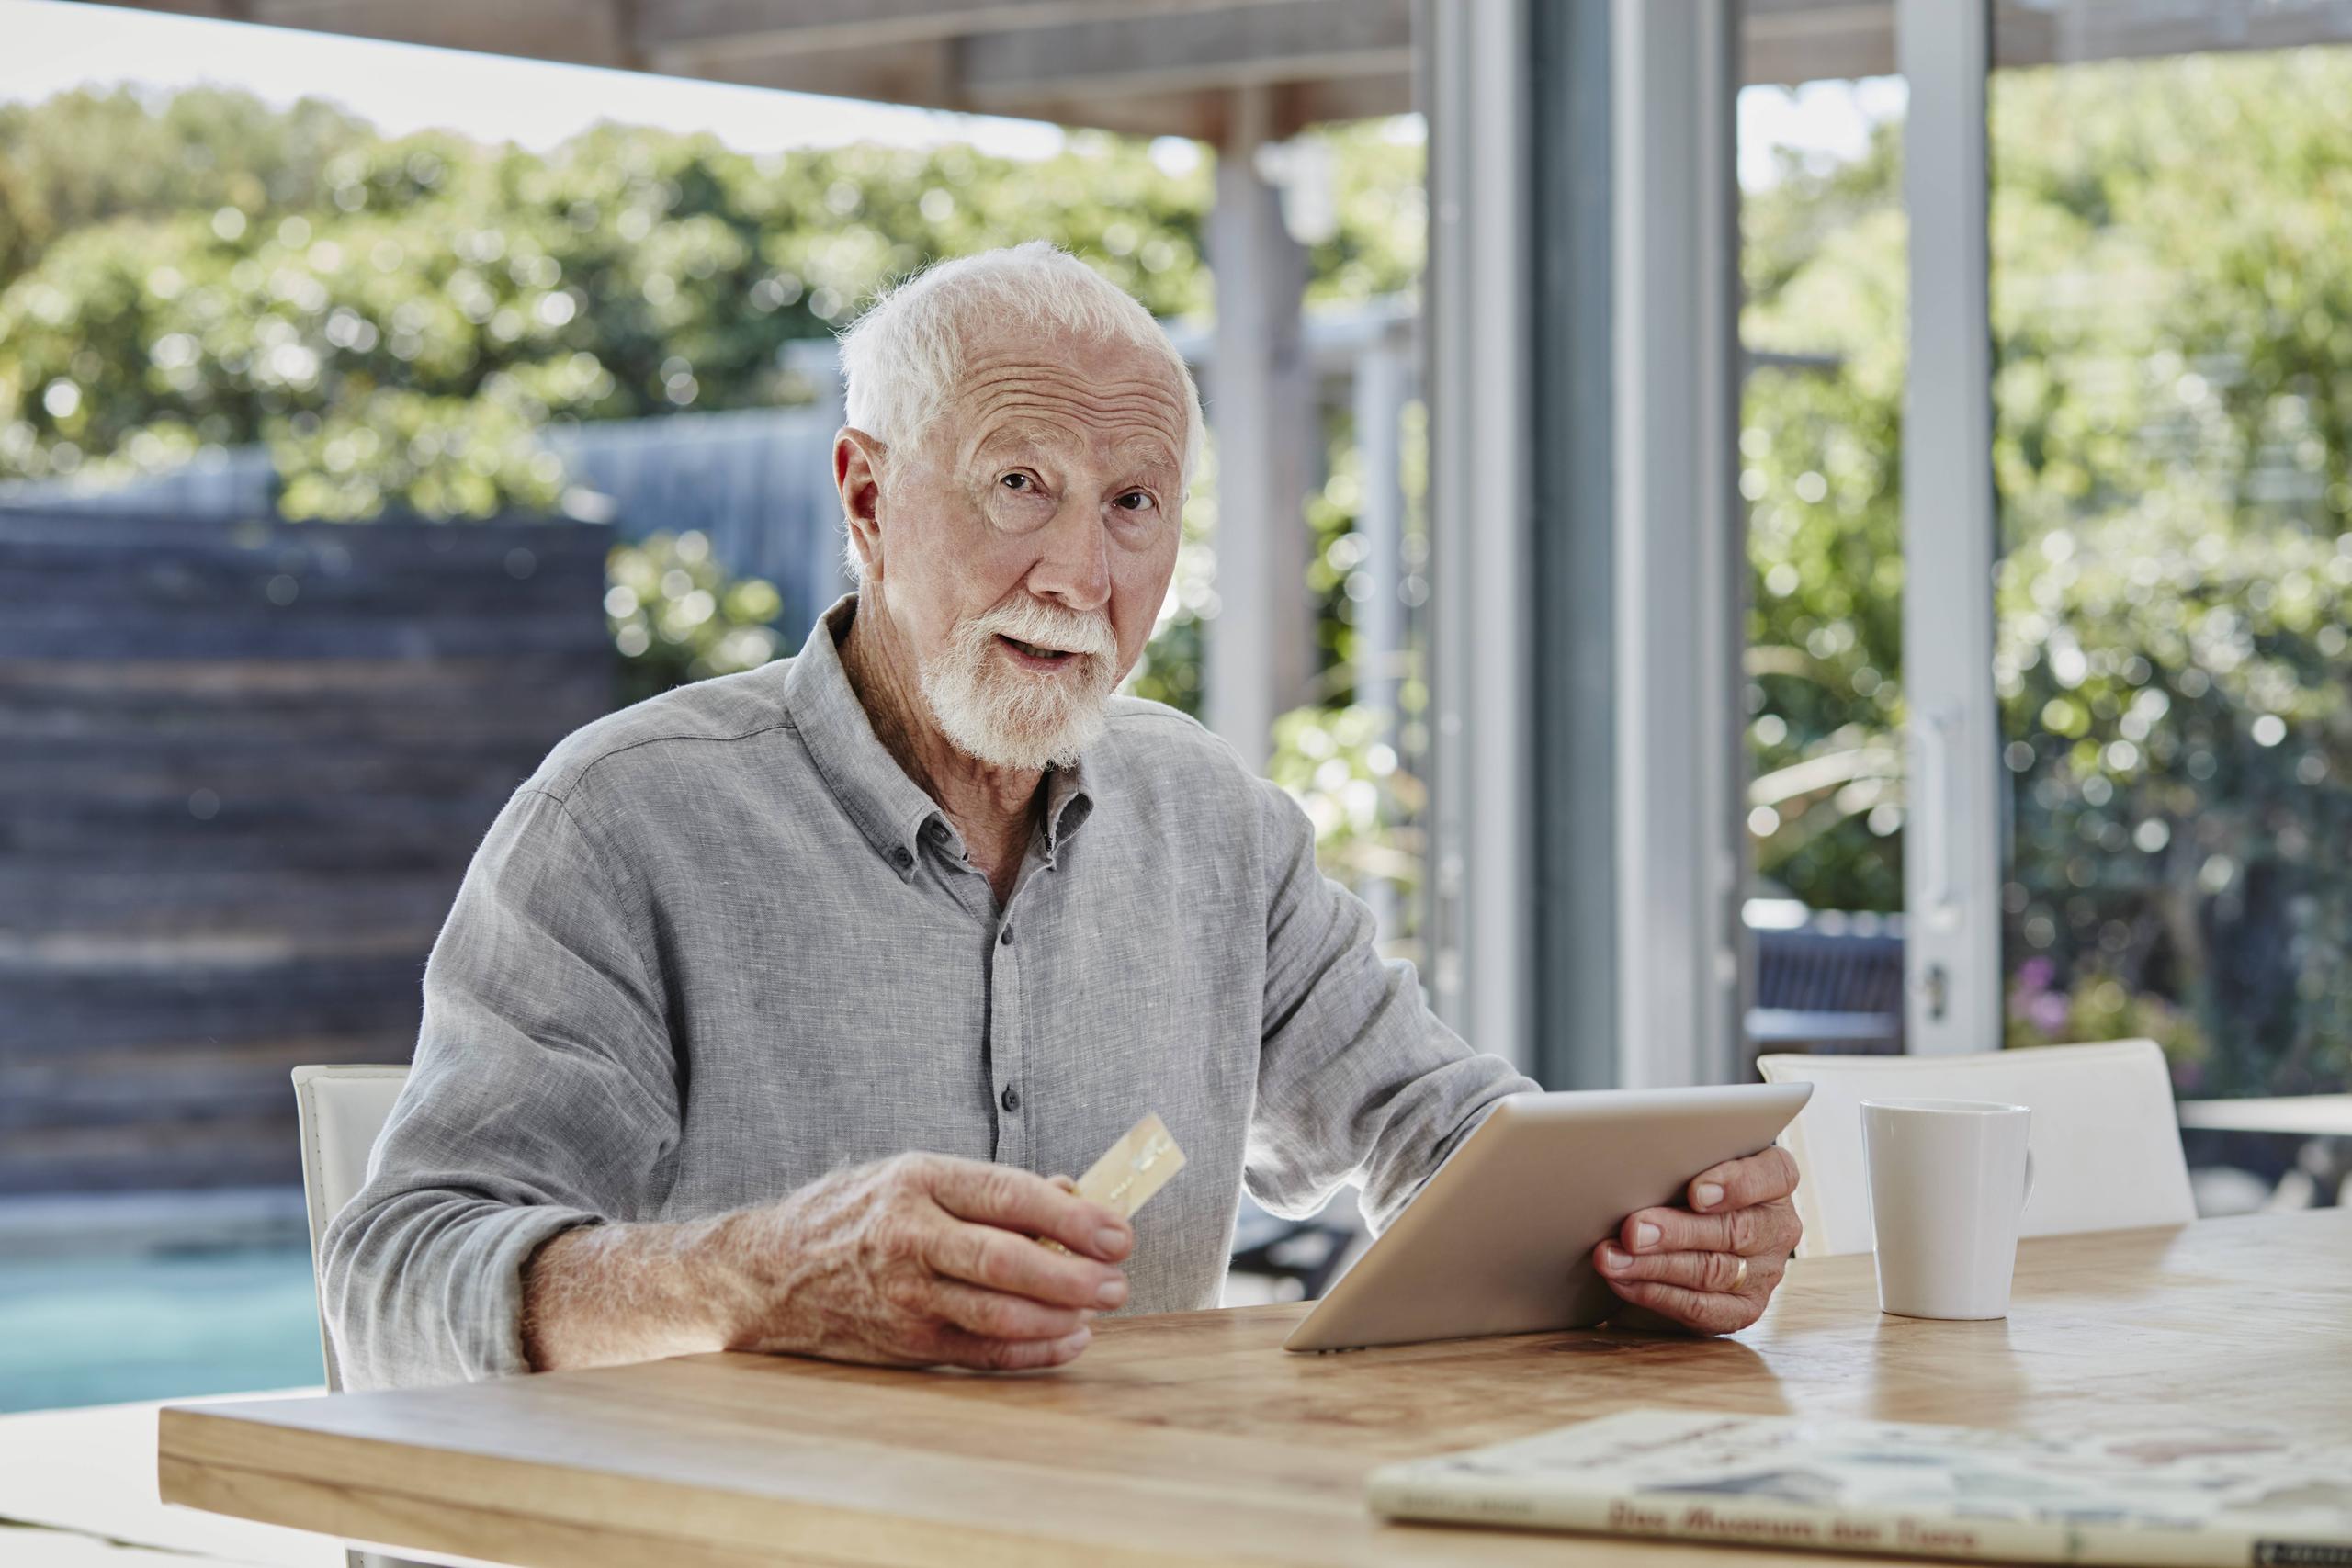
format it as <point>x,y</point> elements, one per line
<point>1951,855</point>
<point>1477,294</point>
<point>1261,402</point>
<point>1382,381</point>
<point>1677,542</point>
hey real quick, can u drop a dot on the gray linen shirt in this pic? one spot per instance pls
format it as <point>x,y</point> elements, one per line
<point>719,945</point>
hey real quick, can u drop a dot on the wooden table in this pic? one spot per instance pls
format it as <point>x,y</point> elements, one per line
<point>1193,1438</point>
<point>2323,1120</point>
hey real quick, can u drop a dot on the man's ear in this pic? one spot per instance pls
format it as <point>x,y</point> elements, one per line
<point>857,475</point>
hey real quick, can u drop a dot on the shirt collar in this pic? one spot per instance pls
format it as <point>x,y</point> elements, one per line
<point>889,807</point>
<point>1070,801</point>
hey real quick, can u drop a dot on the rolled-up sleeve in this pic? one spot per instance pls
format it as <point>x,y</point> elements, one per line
<point>544,1096</point>
<point>1358,1081</point>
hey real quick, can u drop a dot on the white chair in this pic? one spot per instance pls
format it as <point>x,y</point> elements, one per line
<point>340,1111</point>
<point>2106,1145</point>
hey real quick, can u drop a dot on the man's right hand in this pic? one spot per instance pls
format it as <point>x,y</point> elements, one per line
<point>915,1260</point>
<point>923,1260</point>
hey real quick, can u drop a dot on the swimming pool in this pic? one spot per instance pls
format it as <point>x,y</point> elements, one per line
<point>156,1324</point>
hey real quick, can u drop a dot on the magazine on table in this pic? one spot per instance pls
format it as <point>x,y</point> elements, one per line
<point>2199,1498</point>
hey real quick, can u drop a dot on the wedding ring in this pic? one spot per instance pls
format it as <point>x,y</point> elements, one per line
<point>1740,1278</point>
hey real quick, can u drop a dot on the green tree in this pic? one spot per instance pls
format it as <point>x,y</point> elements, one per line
<point>398,318</point>
<point>81,158</point>
<point>2172,314</point>
<point>627,274</point>
<point>1821,452</point>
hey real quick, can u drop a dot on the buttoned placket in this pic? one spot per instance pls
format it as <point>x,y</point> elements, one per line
<point>1017,922</point>
<point>1001,984</point>
<point>1008,1003</point>
<point>1005,1014</point>
<point>913,844</point>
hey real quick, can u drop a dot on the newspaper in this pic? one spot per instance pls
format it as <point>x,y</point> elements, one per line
<point>2188,1495</point>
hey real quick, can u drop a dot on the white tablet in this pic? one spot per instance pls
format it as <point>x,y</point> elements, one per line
<point>1499,1241</point>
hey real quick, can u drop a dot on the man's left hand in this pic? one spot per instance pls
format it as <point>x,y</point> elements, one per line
<point>1685,1266</point>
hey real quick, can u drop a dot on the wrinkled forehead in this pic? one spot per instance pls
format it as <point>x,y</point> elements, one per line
<point>1025,391</point>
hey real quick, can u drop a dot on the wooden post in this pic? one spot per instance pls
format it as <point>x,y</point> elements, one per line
<point>1260,403</point>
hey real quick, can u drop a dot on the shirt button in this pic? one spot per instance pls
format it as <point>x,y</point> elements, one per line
<point>1010,1098</point>
<point>900,857</point>
<point>1004,937</point>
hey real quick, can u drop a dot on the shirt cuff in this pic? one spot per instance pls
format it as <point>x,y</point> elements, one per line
<point>474,1280</point>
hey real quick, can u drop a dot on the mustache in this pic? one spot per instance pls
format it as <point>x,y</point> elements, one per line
<point>1047,626</point>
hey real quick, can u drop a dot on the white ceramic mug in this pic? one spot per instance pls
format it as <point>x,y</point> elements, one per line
<point>1948,1184</point>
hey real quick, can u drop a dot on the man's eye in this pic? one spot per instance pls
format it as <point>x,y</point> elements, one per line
<point>1133,500</point>
<point>1017,481</point>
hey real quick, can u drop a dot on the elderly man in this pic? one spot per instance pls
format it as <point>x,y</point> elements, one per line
<point>771,1010</point>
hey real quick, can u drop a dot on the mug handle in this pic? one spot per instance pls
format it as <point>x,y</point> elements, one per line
<point>2028,1193</point>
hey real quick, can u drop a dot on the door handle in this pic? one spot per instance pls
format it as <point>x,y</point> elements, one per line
<point>1934,731</point>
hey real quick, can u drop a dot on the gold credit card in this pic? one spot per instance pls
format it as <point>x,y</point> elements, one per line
<point>1132,1169</point>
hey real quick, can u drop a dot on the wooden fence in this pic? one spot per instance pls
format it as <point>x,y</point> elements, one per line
<point>242,765</point>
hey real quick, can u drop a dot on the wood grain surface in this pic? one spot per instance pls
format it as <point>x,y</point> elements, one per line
<point>1192,1438</point>
<point>243,763</point>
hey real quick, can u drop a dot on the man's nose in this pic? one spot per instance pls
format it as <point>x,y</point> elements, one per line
<point>1074,562</point>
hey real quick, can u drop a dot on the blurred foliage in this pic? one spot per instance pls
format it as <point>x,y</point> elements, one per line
<point>628,273</point>
<point>1824,256</point>
<point>207,264</point>
<point>404,451</point>
<point>1350,766</point>
<point>1171,671</point>
<point>81,158</point>
<point>2099,1008</point>
<point>1342,767</point>
<point>2172,313</point>
<point>677,615</point>
<point>397,317</point>
<point>1380,236</point>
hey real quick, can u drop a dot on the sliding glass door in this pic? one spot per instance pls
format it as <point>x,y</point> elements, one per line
<point>2171,246</point>
<point>1824,252</point>
<point>2046,444</point>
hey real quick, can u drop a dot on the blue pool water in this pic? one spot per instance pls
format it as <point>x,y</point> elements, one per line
<point>103,1330</point>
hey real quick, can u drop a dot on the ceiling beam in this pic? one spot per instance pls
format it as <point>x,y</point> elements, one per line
<point>1168,57</point>
<point>1298,41</point>
<point>1207,115</point>
<point>1806,40</point>
<point>1157,74</point>
<point>918,73</point>
<point>1790,42</point>
<point>675,31</point>
<point>1143,67</point>
<point>2075,30</point>
<point>577,32</point>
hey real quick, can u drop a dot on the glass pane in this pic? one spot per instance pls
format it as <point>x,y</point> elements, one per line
<point>2172,308</point>
<point>1822,254</point>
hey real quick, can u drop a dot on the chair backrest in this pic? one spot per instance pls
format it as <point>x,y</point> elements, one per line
<point>2105,1143</point>
<point>341,1110</point>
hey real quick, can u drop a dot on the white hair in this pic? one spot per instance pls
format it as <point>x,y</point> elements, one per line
<point>902,359</point>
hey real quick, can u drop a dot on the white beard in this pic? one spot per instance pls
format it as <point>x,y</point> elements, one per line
<point>1009,716</point>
